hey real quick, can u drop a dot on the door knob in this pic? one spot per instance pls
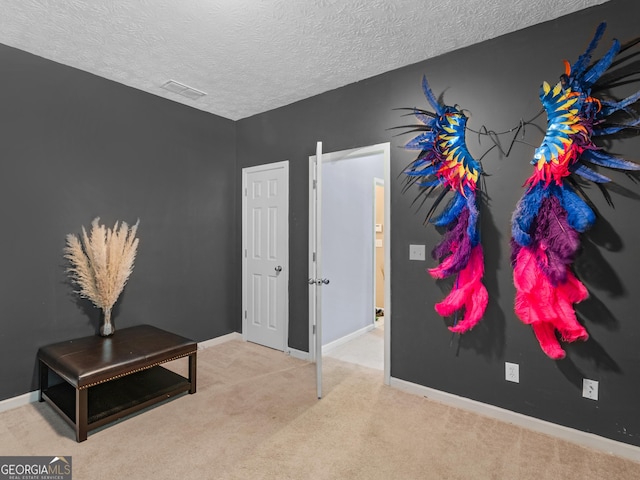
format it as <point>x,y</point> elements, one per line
<point>325,281</point>
<point>278,269</point>
<point>311,281</point>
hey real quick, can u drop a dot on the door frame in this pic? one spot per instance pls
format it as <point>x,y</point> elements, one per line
<point>377,182</point>
<point>285,271</point>
<point>383,149</point>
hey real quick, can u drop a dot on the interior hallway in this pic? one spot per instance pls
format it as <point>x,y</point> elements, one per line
<point>366,350</point>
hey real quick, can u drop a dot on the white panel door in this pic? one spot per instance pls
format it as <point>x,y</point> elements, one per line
<point>266,254</point>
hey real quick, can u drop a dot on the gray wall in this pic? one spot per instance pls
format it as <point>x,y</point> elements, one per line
<point>74,146</point>
<point>498,81</point>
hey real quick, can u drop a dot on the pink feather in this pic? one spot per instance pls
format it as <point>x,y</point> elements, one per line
<point>468,293</point>
<point>439,271</point>
<point>525,271</point>
<point>547,307</point>
<point>547,339</point>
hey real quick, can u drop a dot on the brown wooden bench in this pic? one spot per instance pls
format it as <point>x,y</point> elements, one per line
<point>107,378</point>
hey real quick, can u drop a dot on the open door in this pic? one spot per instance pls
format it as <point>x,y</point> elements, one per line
<point>317,282</point>
<point>315,265</point>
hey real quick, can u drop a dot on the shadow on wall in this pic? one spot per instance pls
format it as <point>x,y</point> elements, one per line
<point>487,338</point>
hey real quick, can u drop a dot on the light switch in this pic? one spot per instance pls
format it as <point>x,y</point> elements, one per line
<point>378,243</point>
<point>416,252</point>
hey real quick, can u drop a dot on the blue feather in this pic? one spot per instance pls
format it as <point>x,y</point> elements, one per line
<point>588,174</point>
<point>599,132</point>
<point>604,159</point>
<point>583,60</point>
<point>425,119</point>
<point>579,214</point>
<point>599,68</point>
<point>472,227</point>
<point>419,142</point>
<point>611,107</point>
<point>525,213</point>
<point>431,183</point>
<point>431,97</point>
<point>451,211</point>
<point>422,172</point>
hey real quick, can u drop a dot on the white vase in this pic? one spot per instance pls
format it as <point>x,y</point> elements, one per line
<point>107,327</point>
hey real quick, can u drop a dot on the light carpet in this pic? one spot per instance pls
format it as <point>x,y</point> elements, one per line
<point>256,416</point>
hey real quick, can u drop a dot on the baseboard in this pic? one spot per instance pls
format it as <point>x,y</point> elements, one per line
<point>218,340</point>
<point>342,340</point>
<point>579,437</point>
<point>19,401</point>
<point>297,354</point>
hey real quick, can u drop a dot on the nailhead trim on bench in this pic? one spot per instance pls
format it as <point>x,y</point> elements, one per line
<point>136,370</point>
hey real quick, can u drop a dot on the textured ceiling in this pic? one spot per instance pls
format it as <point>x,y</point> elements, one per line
<point>251,56</point>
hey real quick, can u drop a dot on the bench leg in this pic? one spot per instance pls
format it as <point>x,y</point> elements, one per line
<point>44,379</point>
<point>82,413</point>
<point>192,371</point>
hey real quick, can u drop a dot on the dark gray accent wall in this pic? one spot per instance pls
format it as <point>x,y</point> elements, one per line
<point>498,82</point>
<point>74,146</point>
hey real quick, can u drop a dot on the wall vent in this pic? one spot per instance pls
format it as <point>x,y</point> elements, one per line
<point>184,90</point>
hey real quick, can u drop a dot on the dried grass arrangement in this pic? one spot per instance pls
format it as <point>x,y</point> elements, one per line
<point>101,263</point>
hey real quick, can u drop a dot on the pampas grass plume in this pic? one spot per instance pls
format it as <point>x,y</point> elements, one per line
<point>102,261</point>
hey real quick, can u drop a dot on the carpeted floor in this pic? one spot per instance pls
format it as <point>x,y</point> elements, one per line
<point>256,416</point>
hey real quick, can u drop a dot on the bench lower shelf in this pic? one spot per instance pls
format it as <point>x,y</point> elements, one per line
<point>109,401</point>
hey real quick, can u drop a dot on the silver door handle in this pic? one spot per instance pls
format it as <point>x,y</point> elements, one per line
<point>325,281</point>
<point>278,269</point>
<point>319,281</point>
<point>311,281</point>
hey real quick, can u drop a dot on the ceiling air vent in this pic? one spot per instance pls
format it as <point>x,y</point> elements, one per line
<point>182,89</point>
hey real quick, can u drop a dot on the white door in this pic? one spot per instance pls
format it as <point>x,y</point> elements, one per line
<point>265,233</point>
<point>315,264</point>
<point>318,283</point>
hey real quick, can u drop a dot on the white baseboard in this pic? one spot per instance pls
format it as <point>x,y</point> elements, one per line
<point>218,340</point>
<point>297,354</point>
<point>19,401</point>
<point>342,340</point>
<point>579,437</point>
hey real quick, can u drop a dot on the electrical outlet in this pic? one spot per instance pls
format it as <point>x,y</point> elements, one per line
<point>590,389</point>
<point>512,372</point>
<point>416,252</point>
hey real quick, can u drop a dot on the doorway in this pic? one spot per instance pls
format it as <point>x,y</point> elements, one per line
<point>349,245</point>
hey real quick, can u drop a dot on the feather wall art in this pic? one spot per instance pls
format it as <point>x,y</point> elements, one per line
<point>445,165</point>
<point>554,210</point>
